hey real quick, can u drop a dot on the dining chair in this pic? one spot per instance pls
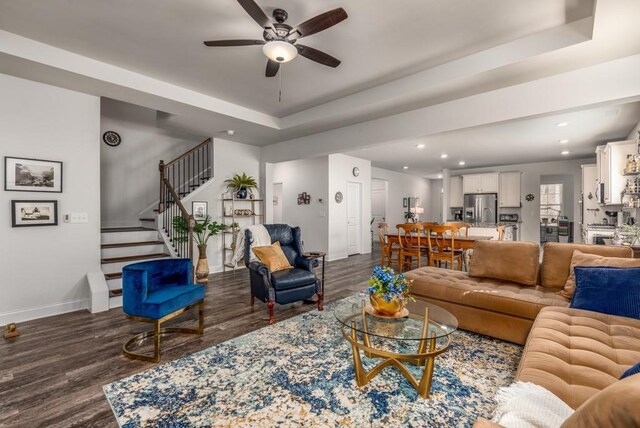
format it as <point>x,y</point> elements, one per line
<point>501,232</point>
<point>409,235</point>
<point>462,230</point>
<point>441,244</point>
<point>388,249</point>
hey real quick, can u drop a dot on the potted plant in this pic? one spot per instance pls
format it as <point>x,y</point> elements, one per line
<point>388,291</point>
<point>631,232</point>
<point>202,231</point>
<point>241,184</point>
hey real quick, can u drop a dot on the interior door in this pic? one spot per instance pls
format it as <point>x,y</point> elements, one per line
<point>378,204</point>
<point>354,205</point>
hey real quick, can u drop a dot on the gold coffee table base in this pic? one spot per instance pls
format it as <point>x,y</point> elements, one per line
<point>421,358</point>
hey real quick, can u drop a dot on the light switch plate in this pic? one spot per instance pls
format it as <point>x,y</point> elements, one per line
<point>78,218</point>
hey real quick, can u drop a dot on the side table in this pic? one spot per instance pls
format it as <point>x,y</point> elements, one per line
<point>317,255</point>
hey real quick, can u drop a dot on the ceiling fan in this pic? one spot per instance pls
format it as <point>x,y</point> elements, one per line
<point>280,39</point>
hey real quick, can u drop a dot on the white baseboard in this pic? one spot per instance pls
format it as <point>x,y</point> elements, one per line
<point>332,257</point>
<point>43,311</point>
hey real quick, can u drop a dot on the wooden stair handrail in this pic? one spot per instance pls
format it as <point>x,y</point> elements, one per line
<point>185,154</point>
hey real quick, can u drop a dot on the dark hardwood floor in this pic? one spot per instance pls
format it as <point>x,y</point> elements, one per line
<point>52,375</point>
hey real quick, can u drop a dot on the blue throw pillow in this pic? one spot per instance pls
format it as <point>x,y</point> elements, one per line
<point>610,290</point>
<point>631,371</point>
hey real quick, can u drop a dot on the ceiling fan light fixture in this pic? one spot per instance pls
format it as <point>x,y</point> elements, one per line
<point>279,51</point>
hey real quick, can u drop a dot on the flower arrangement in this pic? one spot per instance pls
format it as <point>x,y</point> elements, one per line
<point>386,283</point>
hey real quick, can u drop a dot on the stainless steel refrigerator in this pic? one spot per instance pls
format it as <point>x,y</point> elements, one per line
<point>481,208</point>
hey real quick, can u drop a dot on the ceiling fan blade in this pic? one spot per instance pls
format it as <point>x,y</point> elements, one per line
<point>234,42</point>
<point>318,56</point>
<point>320,22</point>
<point>272,68</point>
<point>256,13</point>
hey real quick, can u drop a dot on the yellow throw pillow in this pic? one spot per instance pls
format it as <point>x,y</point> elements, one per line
<point>272,256</point>
<point>583,259</point>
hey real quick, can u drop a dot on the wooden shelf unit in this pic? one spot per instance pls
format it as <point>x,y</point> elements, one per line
<point>229,217</point>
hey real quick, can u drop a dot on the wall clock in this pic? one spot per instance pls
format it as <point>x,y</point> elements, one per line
<point>338,197</point>
<point>530,197</point>
<point>111,138</point>
<point>356,171</point>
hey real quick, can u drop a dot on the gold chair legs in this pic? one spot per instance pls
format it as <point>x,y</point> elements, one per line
<point>157,332</point>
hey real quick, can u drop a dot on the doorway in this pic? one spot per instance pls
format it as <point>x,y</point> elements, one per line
<point>278,202</point>
<point>379,189</point>
<point>354,218</point>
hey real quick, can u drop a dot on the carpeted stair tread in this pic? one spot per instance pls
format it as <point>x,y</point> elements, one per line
<point>133,258</point>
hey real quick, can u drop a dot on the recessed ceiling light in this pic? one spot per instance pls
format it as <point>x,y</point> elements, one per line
<point>444,156</point>
<point>420,146</point>
<point>565,152</point>
<point>231,131</point>
<point>565,141</point>
<point>461,163</point>
<point>561,124</point>
<point>439,175</point>
<point>405,167</point>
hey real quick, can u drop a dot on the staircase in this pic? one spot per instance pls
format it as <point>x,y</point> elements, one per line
<point>156,237</point>
<point>125,245</point>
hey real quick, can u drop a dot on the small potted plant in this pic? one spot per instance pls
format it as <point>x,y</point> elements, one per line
<point>631,232</point>
<point>241,185</point>
<point>388,291</point>
<point>202,231</point>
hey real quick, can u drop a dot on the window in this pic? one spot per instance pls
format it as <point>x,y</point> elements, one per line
<point>550,201</point>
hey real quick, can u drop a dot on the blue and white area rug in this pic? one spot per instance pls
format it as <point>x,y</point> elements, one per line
<point>299,372</point>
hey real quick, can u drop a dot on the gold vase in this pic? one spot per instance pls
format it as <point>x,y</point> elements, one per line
<point>381,305</point>
<point>202,268</point>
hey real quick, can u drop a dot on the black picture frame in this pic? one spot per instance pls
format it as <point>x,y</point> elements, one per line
<point>405,202</point>
<point>21,217</point>
<point>35,178</point>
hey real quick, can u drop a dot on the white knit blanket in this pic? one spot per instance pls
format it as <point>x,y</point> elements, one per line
<point>527,405</point>
<point>260,239</point>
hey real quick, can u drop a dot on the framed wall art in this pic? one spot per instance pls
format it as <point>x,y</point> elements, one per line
<point>199,210</point>
<point>32,175</point>
<point>34,213</point>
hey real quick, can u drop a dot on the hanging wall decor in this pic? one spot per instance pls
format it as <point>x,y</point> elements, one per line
<point>304,198</point>
<point>34,213</point>
<point>32,175</point>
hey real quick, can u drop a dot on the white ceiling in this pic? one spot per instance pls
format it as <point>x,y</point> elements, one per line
<point>379,42</point>
<point>478,77</point>
<point>536,140</point>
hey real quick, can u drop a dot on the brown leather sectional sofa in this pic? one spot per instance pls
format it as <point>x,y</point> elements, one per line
<point>577,355</point>
<point>506,286</point>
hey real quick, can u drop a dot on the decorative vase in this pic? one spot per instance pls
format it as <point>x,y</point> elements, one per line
<point>202,268</point>
<point>382,306</point>
<point>241,193</point>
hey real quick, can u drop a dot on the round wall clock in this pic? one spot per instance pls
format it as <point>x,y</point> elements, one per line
<point>111,138</point>
<point>338,197</point>
<point>356,171</point>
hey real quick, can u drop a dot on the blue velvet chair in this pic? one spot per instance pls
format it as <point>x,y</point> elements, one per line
<point>285,286</point>
<point>156,291</point>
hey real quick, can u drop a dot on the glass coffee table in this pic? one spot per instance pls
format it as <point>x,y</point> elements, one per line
<point>415,339</point>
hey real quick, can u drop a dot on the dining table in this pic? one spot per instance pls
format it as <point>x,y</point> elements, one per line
<point>461,242</point>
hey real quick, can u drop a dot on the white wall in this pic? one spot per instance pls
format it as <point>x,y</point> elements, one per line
<point>310,176</point>
<point>633,135</point>
<point>229,158</point>
<point>434,208</point>
<point>530,183</point>
<point>402,186</point>
<point>129,177</point>
<point>44,268</point>
<point>340,173</point>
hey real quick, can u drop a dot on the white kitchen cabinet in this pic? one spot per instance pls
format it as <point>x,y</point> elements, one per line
<point>480,183</point>
<point>456,199</point>
<point>509,194</point>
<point>611,160</point>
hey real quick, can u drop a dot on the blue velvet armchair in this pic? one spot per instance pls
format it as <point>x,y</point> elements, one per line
<point>156,291</point>
<point>285,286</point>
